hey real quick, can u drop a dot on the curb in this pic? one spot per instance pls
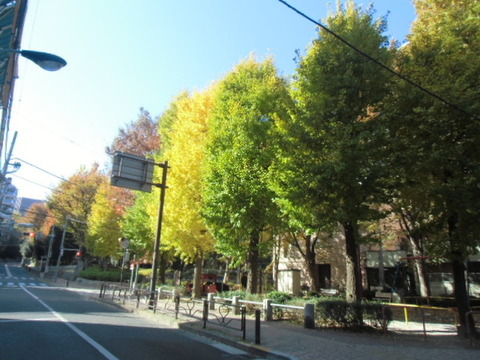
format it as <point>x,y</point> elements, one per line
<point>253,349</point>
<point>256,350</point>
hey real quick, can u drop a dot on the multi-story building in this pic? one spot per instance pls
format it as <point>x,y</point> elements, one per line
<point>8,200</point>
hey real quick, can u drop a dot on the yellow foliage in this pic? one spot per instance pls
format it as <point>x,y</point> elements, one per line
<point>184,229</point>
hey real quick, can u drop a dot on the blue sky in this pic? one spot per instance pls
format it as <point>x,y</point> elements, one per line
<point>123,55</point>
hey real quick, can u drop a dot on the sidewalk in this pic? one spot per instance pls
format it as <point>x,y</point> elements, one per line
<point>280,340</point>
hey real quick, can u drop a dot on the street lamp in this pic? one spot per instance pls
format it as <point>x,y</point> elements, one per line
<point>46,61</point>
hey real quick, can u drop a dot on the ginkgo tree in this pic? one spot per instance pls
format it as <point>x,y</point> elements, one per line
<point>104,223</point>
<point>328,173</point>
<point>184,229</point>
<point>434,142</point>
<point>239,205</point>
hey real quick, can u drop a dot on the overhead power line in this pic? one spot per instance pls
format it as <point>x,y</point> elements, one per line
<point>45,171</point>
<point>385,67</point>
<point>33,182</point>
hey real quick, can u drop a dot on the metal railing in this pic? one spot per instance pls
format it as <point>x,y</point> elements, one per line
<point>225,316</point>
<point>423,318</point>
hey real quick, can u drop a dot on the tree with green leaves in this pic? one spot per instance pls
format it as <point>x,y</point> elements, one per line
<point>328,172</point>
<point>137,227</point>
<point>239,206</point>
<point>435,141</point>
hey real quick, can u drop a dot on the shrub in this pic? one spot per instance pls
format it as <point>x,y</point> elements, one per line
<point>113,275</point>
<point>95,273</point>
<point>230,294</point>
<point>334,312</point>
<point>374,313</point>
<point>350,315</point>
<point>279,297</point>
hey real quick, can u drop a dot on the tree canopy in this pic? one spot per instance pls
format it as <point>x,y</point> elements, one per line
<point>238,202</point>
<point>328,171</point>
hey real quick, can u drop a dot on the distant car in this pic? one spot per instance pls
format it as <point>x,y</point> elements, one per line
<point>209,285</point>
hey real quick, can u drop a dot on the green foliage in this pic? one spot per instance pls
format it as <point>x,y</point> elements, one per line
<point>328,171</point>
<point>279,297</point>
<point>340,313</point>
<point>136,224</point>
<point>375,314</point>
<point>434,146</point>
<point>239,206</point>
<point>238,201</point>
<point>96,273</point>
<point>230,294</point>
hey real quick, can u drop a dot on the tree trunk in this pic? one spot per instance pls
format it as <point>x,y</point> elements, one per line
<point>461,297</point>
<point>311,260</point>
<point>162,268</point>
<point>459,280</point>
<point>197,277</point>
<point>252,263</point>
<point>353,273</point>
<point>420,268</point>
<point>381,268</point>
<point>226,274</point>
<point>276,260</point>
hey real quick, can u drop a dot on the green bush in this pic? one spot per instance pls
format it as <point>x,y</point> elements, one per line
<point>230,294</point>
<point>95,273</point>
<point>336,313</point>
<point>279,297</point>
<point>341,313</point>
<point>374,313</point>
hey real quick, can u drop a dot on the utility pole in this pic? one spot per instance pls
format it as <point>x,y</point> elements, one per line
<point>60,253</point>
<point>49,252</point>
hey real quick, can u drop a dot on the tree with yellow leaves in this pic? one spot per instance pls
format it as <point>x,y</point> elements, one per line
<point>184,230</point>
<point>104,222</point>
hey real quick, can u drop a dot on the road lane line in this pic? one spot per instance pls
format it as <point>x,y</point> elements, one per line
<point>108,355</point>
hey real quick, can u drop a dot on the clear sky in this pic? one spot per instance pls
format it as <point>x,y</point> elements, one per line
<point>123,55</point>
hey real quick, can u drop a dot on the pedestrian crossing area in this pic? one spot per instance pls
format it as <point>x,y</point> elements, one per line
<point>17,281</point>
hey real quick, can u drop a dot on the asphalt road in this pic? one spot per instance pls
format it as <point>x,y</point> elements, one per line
<point>42,322</point>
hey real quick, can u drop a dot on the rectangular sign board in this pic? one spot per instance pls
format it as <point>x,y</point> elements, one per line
<point>132,172</point>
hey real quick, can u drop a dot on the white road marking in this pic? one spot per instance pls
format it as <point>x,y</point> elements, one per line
<point>108,355</point>
<point>21,320</point>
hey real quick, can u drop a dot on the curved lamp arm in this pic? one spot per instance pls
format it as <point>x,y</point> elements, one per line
<point>46,61</point>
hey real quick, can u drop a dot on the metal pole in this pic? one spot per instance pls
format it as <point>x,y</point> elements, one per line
<point>156,251</point>
<point>49,252</point>
<point>257,326</point>
<point>3,175</point>
<point>9,156</point>
<point>60,253</point>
